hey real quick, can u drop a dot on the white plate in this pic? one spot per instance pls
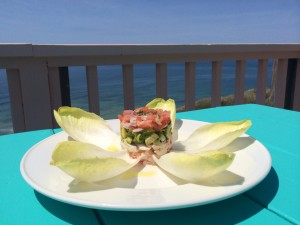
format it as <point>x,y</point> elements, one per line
<point>147,188</point>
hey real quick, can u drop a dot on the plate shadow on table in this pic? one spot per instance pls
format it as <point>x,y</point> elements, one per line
<point>266,190</point>
<point>69,213</point>
<point>226,212</point>
<point>230,211</point>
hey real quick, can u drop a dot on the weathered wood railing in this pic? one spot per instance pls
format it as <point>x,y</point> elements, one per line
<point>34,80</point>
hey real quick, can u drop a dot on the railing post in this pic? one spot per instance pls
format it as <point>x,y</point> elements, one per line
<point>34,86</point>
<point>216,84</point>
<point>93,89</point>
<point>65,86</point>
<point>239,81</point>
<point>16,101</point>
<point>161,80</point>
<point>290,83</point>
<point>55,90</point>
<point>128,86</point>
<point>279,82</point>
<point>261,83</point>
<point>54,86</point>
<point>296,96</point>
<point>190,85</point>
<point>59,87</point>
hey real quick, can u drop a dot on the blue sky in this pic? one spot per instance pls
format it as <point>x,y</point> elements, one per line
<point>149,22</point>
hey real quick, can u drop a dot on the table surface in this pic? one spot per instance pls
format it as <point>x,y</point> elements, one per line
<point>276,200</point>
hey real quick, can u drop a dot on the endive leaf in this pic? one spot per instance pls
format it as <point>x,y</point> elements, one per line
<point>195,167</point>
<point>169,105</point>
<point>214,136</point>
<point>86,127</point>
<point>89,163</point>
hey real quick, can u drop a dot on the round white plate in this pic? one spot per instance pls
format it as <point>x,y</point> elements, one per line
<point>147,188</point>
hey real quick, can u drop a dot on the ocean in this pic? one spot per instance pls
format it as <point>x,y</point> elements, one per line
<point>111,87</point>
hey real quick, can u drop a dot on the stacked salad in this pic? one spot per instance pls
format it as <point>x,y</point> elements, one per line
<point>145,131</point>
<point>94,152</point>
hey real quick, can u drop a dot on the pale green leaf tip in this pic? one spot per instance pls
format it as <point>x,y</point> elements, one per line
<point>248,123</point>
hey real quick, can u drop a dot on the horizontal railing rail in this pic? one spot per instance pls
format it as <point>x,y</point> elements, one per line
<point>35,73</point>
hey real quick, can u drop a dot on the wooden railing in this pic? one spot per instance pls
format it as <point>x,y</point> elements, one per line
<point>34,74</point>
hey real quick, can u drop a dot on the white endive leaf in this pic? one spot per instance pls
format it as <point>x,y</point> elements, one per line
<point>86,127</point>
<point>195,167</point>
<point>214,136</point>
<point>169,105</point>
<point>89,163</point>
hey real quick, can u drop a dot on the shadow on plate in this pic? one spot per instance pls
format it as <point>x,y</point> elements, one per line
<point>124,180</point>
<point>225,178</point>
<point>178,124</point>
<point>239,144</point>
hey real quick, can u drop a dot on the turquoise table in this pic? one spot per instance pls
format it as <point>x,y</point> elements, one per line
<point>276,200</point>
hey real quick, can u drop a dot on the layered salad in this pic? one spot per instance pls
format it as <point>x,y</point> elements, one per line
<point>95,152</point>
<point>146,132</point>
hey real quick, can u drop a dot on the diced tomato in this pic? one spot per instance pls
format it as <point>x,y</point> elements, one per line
<point>151,117</point>
<point>138,119</point>
<point>120,117</point>
<point>128,112</point>
<point>146,124</point>
<point>145,118</point>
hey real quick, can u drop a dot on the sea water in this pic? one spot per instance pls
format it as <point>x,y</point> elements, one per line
<point>111,87</point>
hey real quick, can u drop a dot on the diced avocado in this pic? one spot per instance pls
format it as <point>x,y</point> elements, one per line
<point>123,133</point>
<point>168,131</point>
<point>138,138</point>
<point>162,137</point>
<point>146,133</point>
<point>128,140</point>
<point>130,134</point>
<point>151,139</point>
